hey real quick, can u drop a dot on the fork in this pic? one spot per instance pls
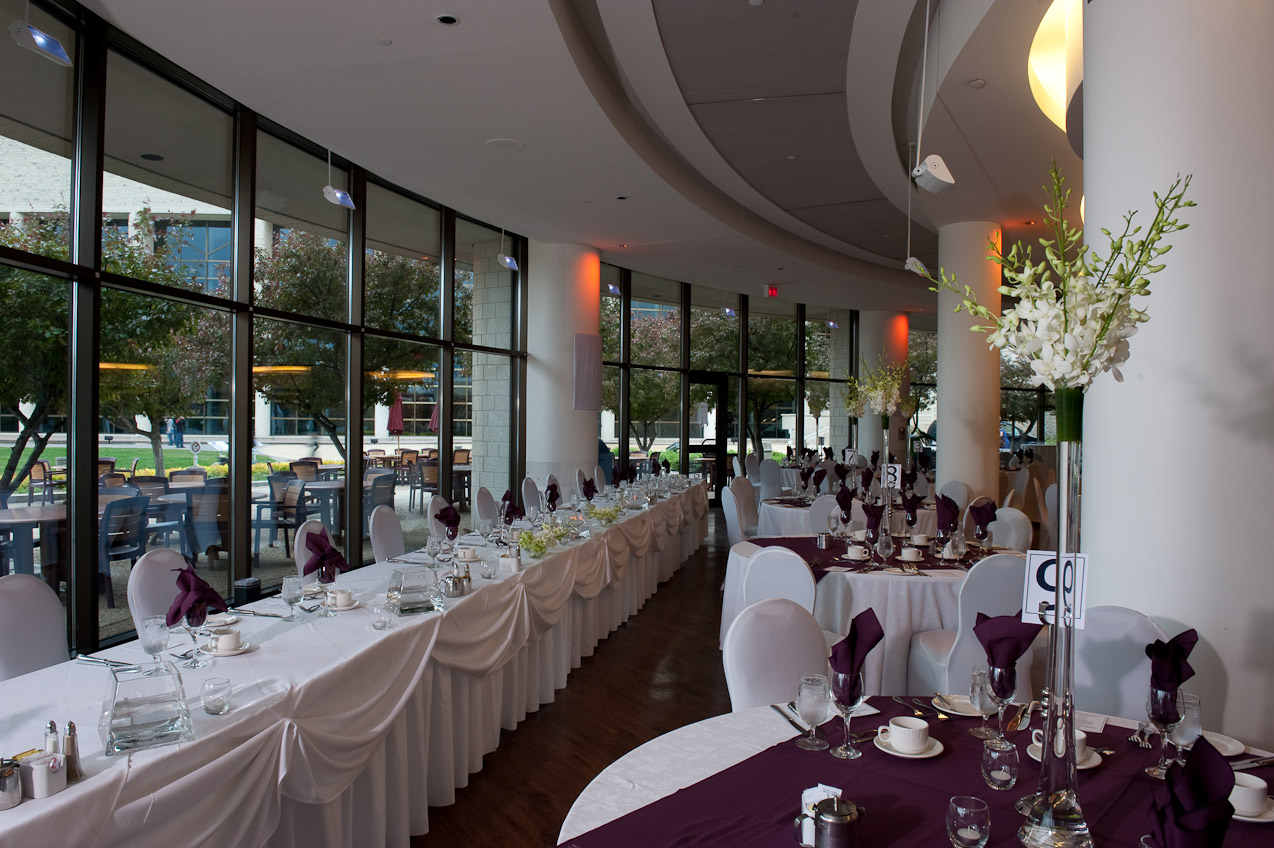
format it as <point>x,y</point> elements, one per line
<point>922,705</point>
<point>1142,734</point>
<point>914,710</point>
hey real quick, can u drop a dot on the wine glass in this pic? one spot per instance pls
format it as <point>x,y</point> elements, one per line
<point>981,532</point>
<point>813,705</point>
<point>847,695</point>
<point>432,547</point>
<point>958,545</point>
<point>968,822</point>
<point>1190,727</point>
<point>1164,713</point>
<point>193,623</point>
<point>885,546</point>
<point>326,577</point>
<point>153,634</point>
<point>1002,686</point>
<point>291,593</point>
<point>452,531</point>
<point>981,700</point>
<point>833,522</point>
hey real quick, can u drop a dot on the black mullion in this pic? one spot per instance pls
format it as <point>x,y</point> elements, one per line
<point>356,236</point>
<point>242,392</point>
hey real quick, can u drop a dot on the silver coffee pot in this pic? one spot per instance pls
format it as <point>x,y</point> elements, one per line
<point>835,823</point>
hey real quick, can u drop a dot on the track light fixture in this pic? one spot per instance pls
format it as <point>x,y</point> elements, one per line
<point>38,41</point>
<point>505,259</point>
<point>335,195</point>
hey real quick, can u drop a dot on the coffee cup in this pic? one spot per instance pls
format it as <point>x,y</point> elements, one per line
<point>1081,743</point>
<point>919,539</point>
<point>1248,795</point>
<point>340,598</point>
<point>466,553</point>
<point>855,552</point>
<point>907,734</point>
<point>910,554</point>
<point>859,535</point>
<point>223,640</point>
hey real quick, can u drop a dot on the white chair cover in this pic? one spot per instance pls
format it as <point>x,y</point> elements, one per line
<point>488,509</point>
<point>830,478</point>
<point>1009,498</point>
<point>745,500</point>
<point>579,482</point>
<point>767,650</point>
<point>969,523</point>
<point>943,660</point>
<point>731,512</point>
<point>1112,670</point>
<point>771,479</point>
<point>822,507</point>
<point>1011,529</point>
<point>32,626</point>
<point>300,552</point>
<point>777,572</point>
<point>958,492</point>
<point>1021,484</point>
<point>152,585</point>
<point>922,486</point>
<point>738,466</point>
<point>599,477</point>
<point>387,533</point>
<point>1048,518</point>
<point>530,495</point>
<point>752,464</point>
<point>438,503</point>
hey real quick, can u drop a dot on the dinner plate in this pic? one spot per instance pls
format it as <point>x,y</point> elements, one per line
<point>1093,760</point>
<point>933,749</point>
<point>206,648</point>
<point>959,705</point>
<point>221,619</point>
<point>1227,745</point>
<point>1266,816</point>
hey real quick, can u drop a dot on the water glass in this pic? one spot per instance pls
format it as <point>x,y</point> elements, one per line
<point>1164,712</point>
<point>153,635</point>
<point>291,593</point>
<point>813,705</point>
<point>1002,685</point>
<point>1190,727</point>
<point>968,822</point>
<point>981,700</point>
<point>215,696</point>
<point>999,765</point>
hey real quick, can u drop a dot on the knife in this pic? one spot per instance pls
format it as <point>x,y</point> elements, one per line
<point>102,661</point>
<point>241,611</point>
<point>1252,763</point>
<point>788,718</point>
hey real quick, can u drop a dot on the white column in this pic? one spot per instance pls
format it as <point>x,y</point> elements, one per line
<point>968,371</point>
<point>564,292</point>
<point>881,333</point>
<point>1178,459</point>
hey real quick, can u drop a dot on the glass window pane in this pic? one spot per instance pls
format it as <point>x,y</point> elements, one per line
<point>301,239</point>
<point>608,420</point>
<point>483,286</point>
<point>714,329</point>
<point>611,322</point>
<point>35,142</point>
<point>771,415</point>
<point>401,267</point>
<point>482,404</point>
<point>772,338</point>
<point>655,315</point>
<point>167,181</point>
<point>654,408</point>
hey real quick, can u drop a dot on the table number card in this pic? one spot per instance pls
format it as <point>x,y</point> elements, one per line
<point>892,477</point>
<point>1041,577</point>
<point>849,456</point>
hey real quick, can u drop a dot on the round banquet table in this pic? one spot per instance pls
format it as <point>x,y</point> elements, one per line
<point>904,605</point>
<point>778,519</point>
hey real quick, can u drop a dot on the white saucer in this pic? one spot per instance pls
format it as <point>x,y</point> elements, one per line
<point>1093,760</point>
<point>855,559</point>
<point>1265,817</point>
<point>352,606</point>
<point>933,749</point>
<point>221,619</point>
<point>312,589</point>
<point>959,706</point>
<point>206,648</point>
<point>1228,746</point>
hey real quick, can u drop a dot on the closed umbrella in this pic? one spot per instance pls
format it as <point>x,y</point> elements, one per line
<point>395,427</point>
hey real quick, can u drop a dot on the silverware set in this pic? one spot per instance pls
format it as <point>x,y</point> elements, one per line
<point>1142,734</point>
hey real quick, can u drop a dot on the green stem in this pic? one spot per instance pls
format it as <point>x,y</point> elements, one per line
<point>1070,414</point>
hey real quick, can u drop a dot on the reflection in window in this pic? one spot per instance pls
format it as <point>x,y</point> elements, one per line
<point>655,313</point>
<point>770,414</point>
<point>654,409</point>
<point>401,268</point>
<point>714,329</point>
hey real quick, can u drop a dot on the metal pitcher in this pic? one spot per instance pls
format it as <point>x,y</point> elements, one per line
<point>835,823</point>
<point>10,784</point>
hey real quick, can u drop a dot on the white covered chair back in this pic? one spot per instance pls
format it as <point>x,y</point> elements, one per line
<point>958,492</point>
<point>922,486</point>
<point>599,477</point>
<point>1047,500</point>
<point>823,506</point>
<point>484,503</point>
<point>530,495</point>
<point>745,500</point>
<point>1112,670</point>
<point>1011,529</point>
<point>436,505</point>
<point>33,625</point>
<point>738,466</point>
<point>387,533</point>
<point>731,513</point>
<point>777,572</point>
<point>152,584</point>
<point>301,552</point>
<point>579,483</point>
<point>1010,498</point>
<point>550,479</point>
<point>752,464</point>
<point>771,479</point>
<point>829,478</point>
<point>768,648</point>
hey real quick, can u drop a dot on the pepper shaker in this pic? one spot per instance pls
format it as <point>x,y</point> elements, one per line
<point>71,752</point>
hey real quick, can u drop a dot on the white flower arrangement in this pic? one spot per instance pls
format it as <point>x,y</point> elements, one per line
<point>882,386</point>
<point>1074,310</point>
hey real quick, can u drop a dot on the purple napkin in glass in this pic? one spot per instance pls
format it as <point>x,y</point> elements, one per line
<point>1168,670</point>
<point>845,499</point>
<point>866,479</point>
<point>551,495</point>
<point>805,476</point>
<point>819,476</point>
<point>909,479</point>
<point>614,476</point>
<point>948,513</point>
<point>1005,638</point>
<point>874,513</point>
<point>513,513</point>
<point>911,504</point>
<point>508,498</point>
<point>875,458</point>
<point>849,653</point>
<point>1191,808</point>
<point>983,514</point>
<point>632,474</point>
<point>827,453</point>
<point>789,451</point>
<point>841,472</point>
<point>589,488</point>
<point>666,466</point>
<point>324,558</point>
<point>194,598</point>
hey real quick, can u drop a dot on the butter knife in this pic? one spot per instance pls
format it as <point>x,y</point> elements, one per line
<point>102,661</point>
<point>788,718</point>
<point>1252,763</point>
<point>241,611</point>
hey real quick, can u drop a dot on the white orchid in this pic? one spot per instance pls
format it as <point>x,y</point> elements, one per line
<point>1072,313</point>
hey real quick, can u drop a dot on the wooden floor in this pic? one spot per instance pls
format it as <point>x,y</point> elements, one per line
<point>660,670</point>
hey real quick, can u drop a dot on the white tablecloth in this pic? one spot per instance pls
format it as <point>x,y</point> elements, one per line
<point>341,735</point>
<point>779,520</point>
<point>904,605</point>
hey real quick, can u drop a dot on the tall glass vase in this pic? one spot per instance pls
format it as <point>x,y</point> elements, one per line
<point>1055,819</point>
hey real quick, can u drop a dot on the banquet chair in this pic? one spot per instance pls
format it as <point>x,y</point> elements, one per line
<point>752,465</point>
<point>1111,666</point>
<point>1011,529</point>
<point>823,506</point>
<point>745,501</point>
<point>922,486</point>
<point>32,626</point>
<point>1021,484</point>
<point>436,505</point>
<point>943,660</point>
<point>730,511</point>
<point>530,496</point>
<point>121,534</point>
<point>771,480</point>
<point>777,572</point>
<point>579,483</point>
<point>600,478</point>
<point>958,492</point>
<point>386,532</point>
<point>1048,517</point>
<point>738,466</point>
<point>300,551</point>
<point>768,648</point>
<point>969,524</point>
<point>152,584</point>
<point>552,478</point>
<point>486,506</point>
<point>1009,498</point>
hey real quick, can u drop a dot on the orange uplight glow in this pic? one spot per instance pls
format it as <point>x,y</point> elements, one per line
<point>280,369</point>
<point>122,366</point>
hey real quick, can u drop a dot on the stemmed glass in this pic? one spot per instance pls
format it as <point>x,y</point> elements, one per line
<point>432,547</point>
<point>1002,686</point>
<point>153,635</point>
<point>1190,727</point>
<point>981,532</point>
<point>291,593</point>
<point>981,700</point>
<point>847,694</point>
<point>833,522</point>
<point>193,623</point>
<point>885,545</point>
<point>452,532</point>
<point>1163,709</point>
<point>813,704</point>
<point>958,545</point>
<point>326,577</point>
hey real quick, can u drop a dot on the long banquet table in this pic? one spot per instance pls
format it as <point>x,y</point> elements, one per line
<point>341,735</point>
<point>783,517</point>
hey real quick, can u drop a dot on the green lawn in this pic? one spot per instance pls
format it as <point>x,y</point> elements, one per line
<point>173,458</point>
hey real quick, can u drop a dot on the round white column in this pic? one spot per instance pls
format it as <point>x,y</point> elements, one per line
<point>563,291</point>
<point>881,333</point>
<point>1178,459</point>
<point>968,369</point>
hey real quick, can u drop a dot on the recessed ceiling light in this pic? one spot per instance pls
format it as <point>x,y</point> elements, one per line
<point>755,2</point>
<point>1029,223</point>
<point>448,20</point>
<point>623,245</point>
<point>507,145</point>
<point>621,197</point>
<point>792,156</point>
<point>384,41</point>
<point>977,82</point>
<point>152,157</point>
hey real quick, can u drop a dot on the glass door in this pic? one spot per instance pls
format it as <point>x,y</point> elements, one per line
<point>708,448</point>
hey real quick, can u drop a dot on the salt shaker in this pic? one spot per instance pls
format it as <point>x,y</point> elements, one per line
<point>51,742</point>
<point>71,751</point>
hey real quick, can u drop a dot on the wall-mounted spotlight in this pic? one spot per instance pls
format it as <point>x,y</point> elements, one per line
<point>38,41</point>
<point>614,289</point>
<point>728,311</point>
<point>832,325</point>
<point>503,258</point>
<point>335,195</point>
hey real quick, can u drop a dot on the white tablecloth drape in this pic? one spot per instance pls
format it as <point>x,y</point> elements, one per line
<point>904,605</point>
<point>780,520</point>
<point>340,735</point>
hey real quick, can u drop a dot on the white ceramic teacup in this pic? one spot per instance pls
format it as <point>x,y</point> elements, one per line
<point>919,539</point>
<point>1248,795</point>
<point>224,639</point>
<point>855,553</point>
<point>859,535</point>
<point>910,554</point>
<point>466,553</point>
<point>907,734</point>
<point>340,598</point>
<point>1081,743</point>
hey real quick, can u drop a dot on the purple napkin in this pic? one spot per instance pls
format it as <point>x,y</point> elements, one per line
<point>866,479</point>
<point>513,513</point>
<point>845,499</point>
<point>1005,638</point>
<point>911,504</point>
<point>508,498</point>
<point>654,469</point>
<point>983,514</point>
<point>324,558</point>
<point>948,513</point>
<point>819,476</point>
<point>805,477</point>
<point>849,653</point>
<point>875,458</point>
<point>1168,670</point>
<point>789,451</point>
<point>194,598</point>
<point>909,479</point>
<point>666,466</point>
<point>614,476</point>
<point>632,474</point>
<point>1191,808</point>
<point>589,488</point>
<point>874,513</point>
<point>551,494</point>
<point>841,472</point>
<point>827,453</point>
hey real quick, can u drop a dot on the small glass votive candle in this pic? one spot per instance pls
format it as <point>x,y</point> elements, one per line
<point>382,617</point>
<point>999,766</point>
<point>215,696</point>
